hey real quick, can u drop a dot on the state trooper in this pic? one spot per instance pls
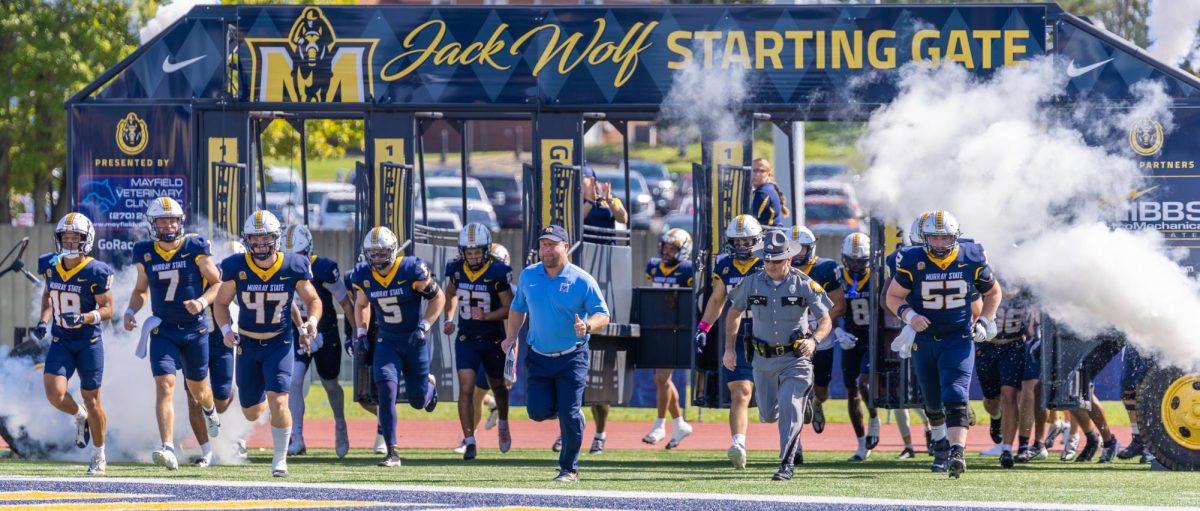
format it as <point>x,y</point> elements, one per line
<point>781,298</point>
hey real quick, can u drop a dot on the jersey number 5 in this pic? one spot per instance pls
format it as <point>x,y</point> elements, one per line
<point>390,305</point>
<point>934,299</point>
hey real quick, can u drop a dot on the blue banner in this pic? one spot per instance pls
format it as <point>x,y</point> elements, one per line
<point>117,201</point>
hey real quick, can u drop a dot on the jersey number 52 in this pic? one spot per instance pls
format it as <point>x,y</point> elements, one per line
<point>943,294</point>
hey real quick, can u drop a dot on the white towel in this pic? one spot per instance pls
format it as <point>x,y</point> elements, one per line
<point>902,344</point>
<point>151,323</point>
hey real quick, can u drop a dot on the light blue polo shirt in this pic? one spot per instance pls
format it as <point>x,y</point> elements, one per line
<point>552,304</point>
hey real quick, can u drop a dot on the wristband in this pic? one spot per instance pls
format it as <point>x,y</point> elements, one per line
<point>203,302</point>
<point>900,310</point>
<point>96,318</point>
<point>423,325</point>
<point>704,326</point>
<point>226,329</point>
<point>909,315</point>
<point>129,312</point>
<point>360,332</point>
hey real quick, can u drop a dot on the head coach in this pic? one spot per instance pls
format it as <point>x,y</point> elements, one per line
<point>564,306</point>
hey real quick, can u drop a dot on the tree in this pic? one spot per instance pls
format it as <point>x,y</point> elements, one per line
<point>49,50</point>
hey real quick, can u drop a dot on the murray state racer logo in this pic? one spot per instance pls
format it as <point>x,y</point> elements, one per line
<point>132,135</point>
<point>1146,137</point>
<point>312,64</point>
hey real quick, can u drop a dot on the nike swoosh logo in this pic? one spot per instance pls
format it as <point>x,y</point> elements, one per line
<point>284,278</point>
<point>1073,71</point>
<point>169,67</point>
<point>962,265</point>
<point>1135,195</point>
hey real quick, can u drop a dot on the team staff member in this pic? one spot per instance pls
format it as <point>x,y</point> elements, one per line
<point>768,204</point>
<point>564,306</point>
<point>781,298</point>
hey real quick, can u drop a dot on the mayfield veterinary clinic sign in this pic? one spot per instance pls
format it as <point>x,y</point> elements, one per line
<point>609,56</point>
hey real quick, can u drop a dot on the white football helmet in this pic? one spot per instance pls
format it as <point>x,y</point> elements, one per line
<point>297,238</point>
<point>744,227</point>
<point>802,236</point>
<point>164,207</point>
<point>475,235</point>
<point>381,248</point>
<point>914,233</point>
<point>682,242</point>
<point>856,253</point>
<point>262,222</point>
<point>79,224</point>
<point>500,253</point>
<point>940,223</point>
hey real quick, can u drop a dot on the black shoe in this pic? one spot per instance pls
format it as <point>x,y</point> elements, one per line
<point>597,446</point>
<point>557,445</point>
<point>808,411</point>
<point>1007,460</point>
<point>929,443</point>
<point>1089,450</point>
<point>391,460</point>
<point>567,476</point>
<point>1024,455</point>
<point>798,458</point>
<point>1147,457</point>
<point>818,420</point>
<point>1110,450</point>
<point>906,454</point>
<point>994,430</point>
<point>784,473</point>
<point>469,454</point>
<point>1134,448</point>
<point>958,465</point>
<point>432,405</point>
<point>941,452</point>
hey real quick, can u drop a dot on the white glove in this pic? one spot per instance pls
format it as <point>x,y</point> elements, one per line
<point>902,344</point>
<point>846,339</point>
<point>985,330</point>
<point>316,343</point>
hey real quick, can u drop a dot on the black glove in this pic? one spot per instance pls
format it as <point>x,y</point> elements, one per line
<point>359,345</point>
<point>701,341</point>
<point>422,336</point>
<point>348,330</point>
<point>39,332</point>
<point>71,319</point>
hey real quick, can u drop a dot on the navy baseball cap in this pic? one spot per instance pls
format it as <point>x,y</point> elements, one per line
<point>588,172</point>
<point>554,232</point>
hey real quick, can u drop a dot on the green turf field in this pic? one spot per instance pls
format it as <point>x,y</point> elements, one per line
<point>317,407</point>
<point>705,472</point>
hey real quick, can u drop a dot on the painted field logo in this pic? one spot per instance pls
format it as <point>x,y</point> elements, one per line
<point>312,64</point>
<point>1146,137</point>
<point>132,135</point>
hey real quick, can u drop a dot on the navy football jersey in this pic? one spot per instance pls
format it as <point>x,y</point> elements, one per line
<point>74,290</point>
<point>662,275</point>
<point>942,289</point>
<point>324,271</point>
<point>395,304</point>
<point>265,295</point>
<point>730,271</point>
<point>890,262</point>
<point>174,276</point>
<point>479,289</point>
<point>857,318</point>
<point>822,271</point>
<point>1013,316</point>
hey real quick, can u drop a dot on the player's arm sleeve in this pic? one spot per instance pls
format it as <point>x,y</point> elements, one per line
<point>984,279</point>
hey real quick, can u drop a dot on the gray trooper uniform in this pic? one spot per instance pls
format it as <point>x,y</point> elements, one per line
<point>781,379</point>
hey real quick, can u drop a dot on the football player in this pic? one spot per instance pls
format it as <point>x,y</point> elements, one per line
<point>744,236</point>
<point>177,272</point>
<point>823,272</point>
<point>1001,366</point>
<point>390,289</point>
<point>673,268</point>
<point>478,295</point>
<point>853,336</point>
<point>945,274</point>
<point>264,281</point>
<point>326,349</point>
<point>78,298</point>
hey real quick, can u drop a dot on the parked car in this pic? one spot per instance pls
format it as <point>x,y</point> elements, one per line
<point>336,211</point>
<point>832,215</point>
<point>441,219</point>
<point>641,211</point>
<point>504,191</point>
<point>446,193</point>
<point>283,186</point>
<point>317,190</point>
<point>830,188</point>
<point>827,171</point>
<point>659,180</point>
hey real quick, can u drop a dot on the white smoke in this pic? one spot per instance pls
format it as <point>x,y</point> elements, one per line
<point>708,100</point>
<point>127,395</point>
<point>1172,25</point>
<point>167,14</point>
<point>1025,182</point>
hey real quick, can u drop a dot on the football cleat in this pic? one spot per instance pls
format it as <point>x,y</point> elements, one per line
<point>597,446</point>
<point>928,443</point>
<point>432,404</point>
<point>567,476</point>
<point>956,464</point>
<point>391,460</point>
<point>1110,450</point>
<point>784,473</point>
<point>994,431</point>
<point>1056,429</point>
<point>1090,446</point>
<point>873,433</point>
<point>493,417</point>
<point>462,447</point>
<point>1134,448</point>
<point>681,432</point>
<point>296,446</point>
<point>1070,448</point>
<point>202,461</point>
<point>165,457</point>
<point>242,452</point>
<point>341,439</point>
<point>557,447</point>
<point>737,456</point>
<point>1147,456</point>
<point>1040,452</point>
<point>469,452</point>
<point>83,432</point>
<point>505,439</point>
<point>1006,459</point>
<point>906,454</point>
<point>212,421</point>
<point>818,419</point>
<point>279,468</point>
<point>98,466</point>
<point>941,452</point>
<point>1024,454</point>
<point>995,450</point>
<point>655,434</point>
